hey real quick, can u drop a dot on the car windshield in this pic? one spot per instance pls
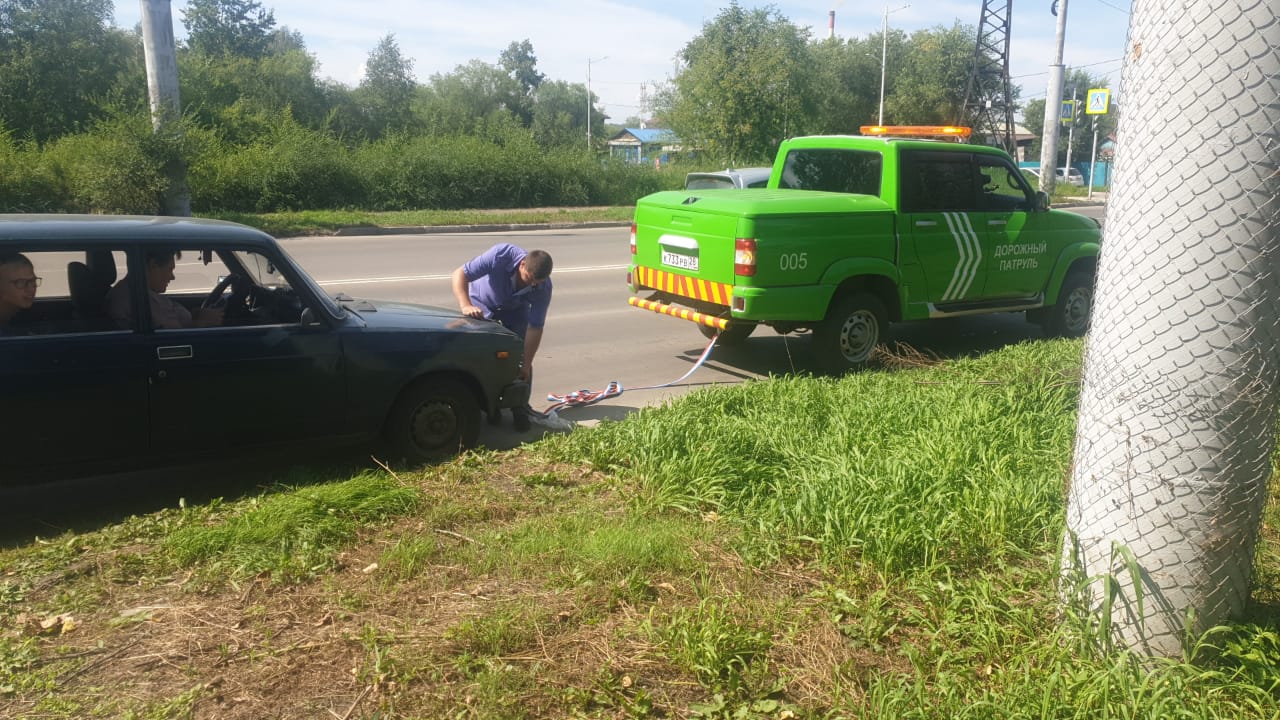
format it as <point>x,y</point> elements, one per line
<point>266,274</point>
<point>708,182</point>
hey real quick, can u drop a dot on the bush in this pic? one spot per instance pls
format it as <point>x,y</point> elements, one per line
<point>291,168</point>
<point>117,167</point>
<point>26,184</point>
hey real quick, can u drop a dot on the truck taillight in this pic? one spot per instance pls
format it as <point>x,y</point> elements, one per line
<point>744,256</point>
<point>633,238</point>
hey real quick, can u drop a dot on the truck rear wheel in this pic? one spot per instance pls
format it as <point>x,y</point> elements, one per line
<point>1070,317</point>
<point>847,336</point>
<point>733,334</point>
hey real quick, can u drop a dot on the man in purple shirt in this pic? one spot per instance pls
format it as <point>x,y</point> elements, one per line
<point>513,287</point>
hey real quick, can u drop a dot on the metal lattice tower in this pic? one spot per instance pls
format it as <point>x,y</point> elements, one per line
<point>988,101</point>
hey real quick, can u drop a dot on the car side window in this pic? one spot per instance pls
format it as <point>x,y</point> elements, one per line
<point>1003,186</point>
<point>191,287</point>
<point>60,292</point>
<point>938,182</point>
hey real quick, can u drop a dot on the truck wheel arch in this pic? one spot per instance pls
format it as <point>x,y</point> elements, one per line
<point>884,288</point>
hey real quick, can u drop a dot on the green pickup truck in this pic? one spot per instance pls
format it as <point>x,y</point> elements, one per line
<point>855,232</point>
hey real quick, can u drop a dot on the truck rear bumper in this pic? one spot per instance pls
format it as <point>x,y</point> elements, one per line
<point>676,311</point>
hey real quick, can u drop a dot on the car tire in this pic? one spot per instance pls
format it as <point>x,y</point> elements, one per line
<point>846,337</point>
<point>1070,316</point>
<point>735,333</point>
<point>433,419</point>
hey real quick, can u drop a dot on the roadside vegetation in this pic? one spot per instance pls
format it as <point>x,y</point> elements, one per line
<point>328,222</point>
<point>261,132</point>
<point>882,545</point>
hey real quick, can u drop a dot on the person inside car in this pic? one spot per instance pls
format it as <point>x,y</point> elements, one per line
<point>18,283</point>
<point>166,313</point>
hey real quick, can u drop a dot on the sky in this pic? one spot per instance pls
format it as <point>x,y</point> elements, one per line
<point>630,47</point>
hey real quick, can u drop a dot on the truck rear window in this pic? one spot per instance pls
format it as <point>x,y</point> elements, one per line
<point>846,171</point>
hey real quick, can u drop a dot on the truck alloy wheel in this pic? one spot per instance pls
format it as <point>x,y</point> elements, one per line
<point>846,337</point>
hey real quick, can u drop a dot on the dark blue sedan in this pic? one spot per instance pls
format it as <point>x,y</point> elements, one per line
<point>161,340</point>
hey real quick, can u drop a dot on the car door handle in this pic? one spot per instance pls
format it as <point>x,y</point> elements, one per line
<point>926,223</point>
<point>997,222</point>
<point>174,352</point>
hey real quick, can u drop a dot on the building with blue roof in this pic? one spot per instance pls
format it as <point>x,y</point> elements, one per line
<point>642,145</point>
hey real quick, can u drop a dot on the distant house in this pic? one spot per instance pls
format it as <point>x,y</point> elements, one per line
<point>642,145</point>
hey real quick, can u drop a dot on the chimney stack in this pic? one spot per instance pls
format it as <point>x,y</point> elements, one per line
<point>831,24</point>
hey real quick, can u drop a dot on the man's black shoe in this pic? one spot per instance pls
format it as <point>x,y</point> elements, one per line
<point>520,420</point>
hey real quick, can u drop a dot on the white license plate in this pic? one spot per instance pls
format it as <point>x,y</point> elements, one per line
<point>684,262</point>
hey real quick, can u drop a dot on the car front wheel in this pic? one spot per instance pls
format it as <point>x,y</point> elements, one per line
<point>1070,317</point>
<point>850,332</point>
<point>433,419</point>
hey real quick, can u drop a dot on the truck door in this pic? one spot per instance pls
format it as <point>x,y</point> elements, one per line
<point>1020,239</point>
<point>938,198</point>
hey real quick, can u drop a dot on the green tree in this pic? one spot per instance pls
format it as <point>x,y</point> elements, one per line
<point>468,99</point>
<point>228,27</point>
<point>928,85</point>
<point>520,62</point>
<point>387,89</point>
<point>560,114</point>
<point>743,85</point>
<point>846,77</point>
<point>243,96</point>
<point>62,65</point>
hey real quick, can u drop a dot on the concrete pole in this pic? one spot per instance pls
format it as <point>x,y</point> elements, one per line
<point>1093,157</point>
<point>1071,132</point>
<point>1181,375</point>
<point>161,58</point>
<point>884,55</point>
<point>1052,104</point>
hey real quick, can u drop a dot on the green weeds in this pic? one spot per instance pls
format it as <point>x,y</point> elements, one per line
<point>884,545</point>
<point>291,534</point>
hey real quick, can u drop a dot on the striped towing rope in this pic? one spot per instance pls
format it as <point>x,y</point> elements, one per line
<point>582,398</point>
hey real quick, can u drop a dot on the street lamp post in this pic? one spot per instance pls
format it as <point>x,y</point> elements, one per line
<point>589,61</point>
<point>884,53</point>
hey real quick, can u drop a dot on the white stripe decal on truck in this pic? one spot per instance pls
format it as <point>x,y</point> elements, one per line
<point>970,255</point>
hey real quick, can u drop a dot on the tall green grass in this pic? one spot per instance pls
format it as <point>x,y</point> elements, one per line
<point>290,534</point>
<point>962,464</point>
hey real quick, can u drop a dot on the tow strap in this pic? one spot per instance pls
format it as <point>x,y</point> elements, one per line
<point>582,398</point>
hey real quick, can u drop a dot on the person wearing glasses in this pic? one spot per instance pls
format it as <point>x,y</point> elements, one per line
<point>166,313</point>
<point>513,287</point>
<point>18,283</point>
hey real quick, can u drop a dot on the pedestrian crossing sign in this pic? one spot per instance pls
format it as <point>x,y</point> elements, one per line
<point>1068,111</point>
<point>1099,100</point>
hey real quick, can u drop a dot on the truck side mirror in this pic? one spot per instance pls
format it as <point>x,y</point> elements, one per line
<point>1042,201</point>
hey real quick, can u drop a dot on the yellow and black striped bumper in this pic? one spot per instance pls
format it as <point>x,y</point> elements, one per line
<point>683,285</point>
<point>679,312</point>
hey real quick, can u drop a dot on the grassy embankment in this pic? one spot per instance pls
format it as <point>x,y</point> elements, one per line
<point>879,546</point>
<point>327,222</point>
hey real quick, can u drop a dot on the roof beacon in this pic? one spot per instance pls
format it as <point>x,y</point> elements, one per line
<point>946,132</point>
